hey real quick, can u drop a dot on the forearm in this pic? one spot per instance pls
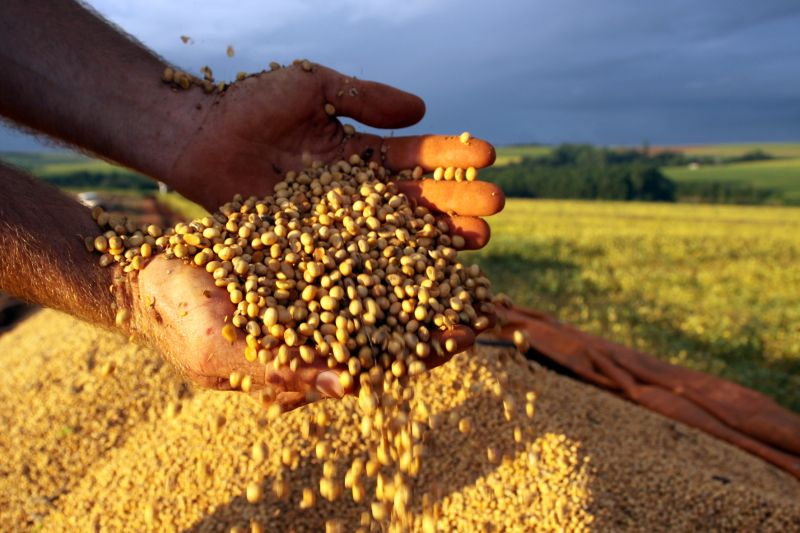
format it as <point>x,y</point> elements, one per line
<point>69,74</point>
<point>42,254</point>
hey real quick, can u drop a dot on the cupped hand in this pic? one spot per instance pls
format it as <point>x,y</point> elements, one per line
<point>179,311</point>
<point>249,137</point>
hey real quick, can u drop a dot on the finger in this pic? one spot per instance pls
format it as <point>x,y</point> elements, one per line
<point>426,151</point>
<point>315,376</point>
<point>371,103</point>
<point>431,151</point>
<point>329,384</point>
<point>291,400</point>
<point>231,359</point>
<point>465,198</point>
<point>476,231</point>
<point>463,336</point>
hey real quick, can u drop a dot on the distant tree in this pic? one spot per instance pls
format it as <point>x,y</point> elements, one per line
<point>583,171</point>
<point>753,155</point>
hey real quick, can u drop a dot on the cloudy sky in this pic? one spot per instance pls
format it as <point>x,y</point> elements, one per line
<point>600,71</point>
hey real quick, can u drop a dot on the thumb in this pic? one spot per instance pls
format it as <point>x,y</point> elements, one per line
<point>371,103</point>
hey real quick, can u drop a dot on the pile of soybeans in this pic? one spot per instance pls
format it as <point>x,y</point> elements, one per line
<point>100,435</point>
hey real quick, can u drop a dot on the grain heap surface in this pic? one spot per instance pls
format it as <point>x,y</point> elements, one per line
<point>85,447</point>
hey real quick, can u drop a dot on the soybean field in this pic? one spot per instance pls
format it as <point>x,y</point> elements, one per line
<point>714,288</point>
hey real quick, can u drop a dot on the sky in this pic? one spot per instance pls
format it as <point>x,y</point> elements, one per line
<point>608,72</point>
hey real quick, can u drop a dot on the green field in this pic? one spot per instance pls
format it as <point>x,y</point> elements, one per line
<point>57,163</point>
<point>780,175</point>
<point>180,205</point>
<point>715,288</point>
<point>788,150</point>
<point>513,154</point>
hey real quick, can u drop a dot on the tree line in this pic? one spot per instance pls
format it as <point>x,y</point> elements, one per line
<point>583,171</point>
<point>580,171</point>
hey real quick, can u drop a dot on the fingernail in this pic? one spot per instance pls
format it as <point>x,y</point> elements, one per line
<point>328,384</point>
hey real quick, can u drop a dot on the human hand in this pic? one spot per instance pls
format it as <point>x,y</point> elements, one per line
<point>266,124</point>
<point>263,125</point>
<point>179,311</point>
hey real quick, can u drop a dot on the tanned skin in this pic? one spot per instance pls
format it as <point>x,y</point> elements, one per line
<point>69,74</point>
<point>42,258</point>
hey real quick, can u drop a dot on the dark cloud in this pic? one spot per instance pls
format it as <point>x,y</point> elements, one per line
<point>613,72</point>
